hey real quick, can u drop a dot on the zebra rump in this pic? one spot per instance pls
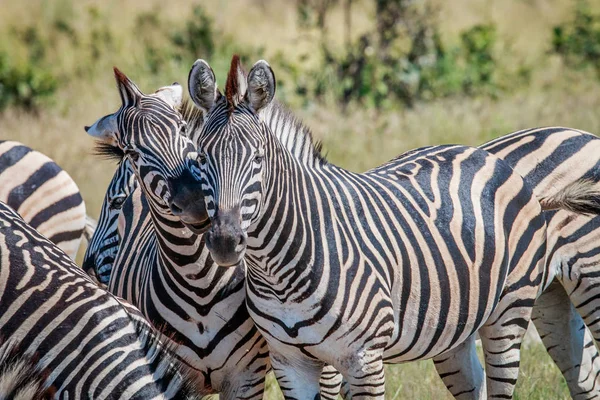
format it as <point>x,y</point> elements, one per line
<point>43,194</point>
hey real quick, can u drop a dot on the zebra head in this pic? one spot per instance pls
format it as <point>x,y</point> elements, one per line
<point>232,146</point>
<point>104,244</point>
<point>147,129</point>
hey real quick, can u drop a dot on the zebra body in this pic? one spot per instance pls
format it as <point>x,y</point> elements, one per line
<point>43,194</point>
<point>404,262</point>
<point>92,344</point>
<point>549,159</point>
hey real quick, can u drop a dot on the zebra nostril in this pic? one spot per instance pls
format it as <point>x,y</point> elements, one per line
<point>175,209</point>
<point>241,240</point>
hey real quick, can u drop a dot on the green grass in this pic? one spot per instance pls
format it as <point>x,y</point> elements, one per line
<point>539,379</point>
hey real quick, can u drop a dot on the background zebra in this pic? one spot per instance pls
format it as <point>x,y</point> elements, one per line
<point>92,344</point>
<point>548,159</point>
<point>404,213</point>
<point>104,244</point>
<point>43,194</point>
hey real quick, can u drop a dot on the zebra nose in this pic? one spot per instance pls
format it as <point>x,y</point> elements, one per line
<point>241,242</point>
<point>175,209</point>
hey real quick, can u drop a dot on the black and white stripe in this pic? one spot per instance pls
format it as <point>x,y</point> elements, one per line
<point>549,159</point>
<point>405,262</point>
<point>104,244</point>
<point>90,343</point>
<point>162,266</point>
<point>43,194</point>
<point>200,304</point>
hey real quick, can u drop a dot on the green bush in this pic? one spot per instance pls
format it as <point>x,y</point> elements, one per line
<point>403,60</point>
<point>578,41</point>
<point>24,85</point>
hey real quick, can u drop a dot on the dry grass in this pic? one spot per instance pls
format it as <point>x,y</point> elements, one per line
<point>358,140</point>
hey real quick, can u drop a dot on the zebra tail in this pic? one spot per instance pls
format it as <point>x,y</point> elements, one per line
<point>581,197</point>
<point>20,377</point>
<point>90,227</point>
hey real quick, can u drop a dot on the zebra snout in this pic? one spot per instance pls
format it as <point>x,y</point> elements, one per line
<point>226,241</point>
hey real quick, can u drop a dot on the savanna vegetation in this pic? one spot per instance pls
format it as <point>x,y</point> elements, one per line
<point>372,78</point>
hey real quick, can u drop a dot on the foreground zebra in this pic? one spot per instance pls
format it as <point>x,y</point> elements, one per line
<point>43,194</point>
<point>404,262</point>
<point>162,266</point>
<point>166,270</point>
<point>92,344</point>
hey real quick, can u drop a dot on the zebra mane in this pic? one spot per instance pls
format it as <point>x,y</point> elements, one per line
<point>293,134</point>
<point>108,152</point>
<point>168,365</point>
<point>194,117</point>
<point>21,377</point>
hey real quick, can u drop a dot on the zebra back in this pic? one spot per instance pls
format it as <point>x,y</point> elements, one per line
<point>43,194</point>
<point>93,344</point>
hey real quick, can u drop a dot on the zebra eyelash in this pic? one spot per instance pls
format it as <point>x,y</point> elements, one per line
<point>108,152</point>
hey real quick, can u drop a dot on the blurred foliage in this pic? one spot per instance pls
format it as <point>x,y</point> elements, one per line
<point>578,41</point>
<point>26,83</point>
<point>400,59</point>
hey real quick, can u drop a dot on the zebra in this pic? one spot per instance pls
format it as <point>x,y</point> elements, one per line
<point>91,343</point>
<point>201,305</point>
<point>405,262</point>
<point>103,245</point>
<point>549,158</point>
<point>43,194</point>
<point>162,266</point>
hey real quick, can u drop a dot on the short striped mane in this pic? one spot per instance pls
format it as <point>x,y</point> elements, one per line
<point>293,134</point>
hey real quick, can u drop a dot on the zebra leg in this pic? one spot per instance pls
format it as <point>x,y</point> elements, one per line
<point>501,338</point>
<point>298,377</point>
<point>331,381</point>
<point>364,375</point>
<point>581,280</point>
<point>568,341</point>
<point>461,371</point>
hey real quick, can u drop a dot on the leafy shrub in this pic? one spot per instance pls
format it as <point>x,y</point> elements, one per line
<point>578,41</point>
<point>24,85</point>
<point>404,60</point>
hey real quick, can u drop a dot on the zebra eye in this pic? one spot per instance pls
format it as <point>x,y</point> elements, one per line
<point>202,158</point>
<point>183,129</point>
<point>258,158</point>
<point>133,156</point>
<point>117,203</point>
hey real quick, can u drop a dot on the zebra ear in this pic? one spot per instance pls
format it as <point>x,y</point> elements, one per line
<point>105,129</point>
<point>172,95</point>
<point>261,85</point>
<point>130,93</point>
<point>202,85</point>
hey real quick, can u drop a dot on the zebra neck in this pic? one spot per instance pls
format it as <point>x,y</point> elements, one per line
<point>178,247</point>
<point>298,210</point>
